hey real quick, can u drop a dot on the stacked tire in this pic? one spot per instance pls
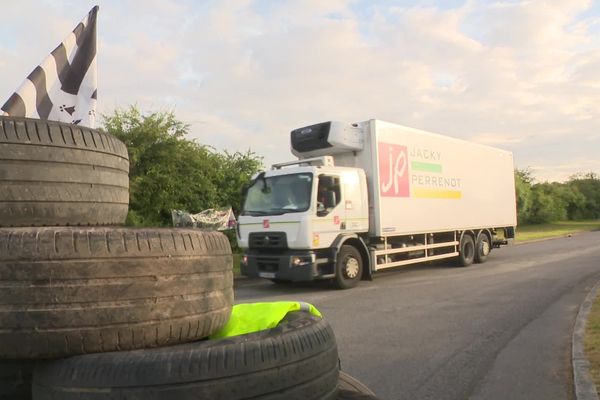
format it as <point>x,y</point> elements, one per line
<point>72,281</point>
<point>296,360</point>
<point>93,310</point>
<point>54,174</point>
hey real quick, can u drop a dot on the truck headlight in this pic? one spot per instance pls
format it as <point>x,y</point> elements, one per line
<point>298,261</point>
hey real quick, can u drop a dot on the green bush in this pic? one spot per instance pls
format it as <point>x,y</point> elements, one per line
<point>168,171</point>
<point>538,203</point>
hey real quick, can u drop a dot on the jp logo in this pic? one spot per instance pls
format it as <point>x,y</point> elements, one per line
<point>393,170</point>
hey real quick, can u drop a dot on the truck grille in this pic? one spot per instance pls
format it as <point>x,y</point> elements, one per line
<point>271,240</point>
<point>266,264</point>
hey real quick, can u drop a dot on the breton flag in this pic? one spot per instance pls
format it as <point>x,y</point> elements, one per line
<point>64,86</point>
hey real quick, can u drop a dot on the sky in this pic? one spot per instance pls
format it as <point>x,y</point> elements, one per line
<point>519,75</point>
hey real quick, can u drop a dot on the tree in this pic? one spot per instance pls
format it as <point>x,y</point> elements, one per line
<point>523,182</point>
<point>235,173</point>
<point>168,171</point>
<point>571,199</point>
<point>589,187</point>
<point>547,204</point>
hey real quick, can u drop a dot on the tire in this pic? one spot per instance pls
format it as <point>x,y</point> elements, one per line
<point>348,267</point>
<point>69,291</point>
<point>467,251</point>
<point>15,379</point>
<point>351,384</point>
<point>483,247</point>
<point>297,360</point>
<point>54,174</point>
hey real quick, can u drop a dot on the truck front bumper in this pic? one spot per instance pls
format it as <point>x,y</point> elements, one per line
<point>291,265</point>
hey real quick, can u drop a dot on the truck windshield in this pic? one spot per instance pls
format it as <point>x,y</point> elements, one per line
<point>278,194</point>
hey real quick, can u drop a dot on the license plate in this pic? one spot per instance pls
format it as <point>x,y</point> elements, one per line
<point>268,275</point>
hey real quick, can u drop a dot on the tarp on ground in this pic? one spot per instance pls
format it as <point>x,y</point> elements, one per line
<point>212,219</point>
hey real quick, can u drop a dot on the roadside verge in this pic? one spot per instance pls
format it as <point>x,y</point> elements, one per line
<point>584,386</point>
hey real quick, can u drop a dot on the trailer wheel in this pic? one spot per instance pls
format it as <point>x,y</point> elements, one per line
<point>483,247</point>
<point>348,268</point>
<point>467,251</point>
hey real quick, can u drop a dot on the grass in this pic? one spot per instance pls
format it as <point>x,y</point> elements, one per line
<point>592,342</point>
<point>555,229</point>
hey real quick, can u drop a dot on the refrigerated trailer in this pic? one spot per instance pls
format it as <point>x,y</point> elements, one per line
<point>367,196</point>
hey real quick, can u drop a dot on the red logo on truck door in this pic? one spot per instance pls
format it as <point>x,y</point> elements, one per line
<point>393,170</point>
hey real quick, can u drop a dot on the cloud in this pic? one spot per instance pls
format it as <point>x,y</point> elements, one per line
<point>562,172</point>
<point>498,139</point>
<point>522,75</point>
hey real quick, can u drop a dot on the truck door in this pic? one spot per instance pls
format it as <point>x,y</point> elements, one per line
<point>356,217</point>
<point>330,213</point>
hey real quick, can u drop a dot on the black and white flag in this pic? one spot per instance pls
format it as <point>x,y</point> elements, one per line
<point>64,86</point>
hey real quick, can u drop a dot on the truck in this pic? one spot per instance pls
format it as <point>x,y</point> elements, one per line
<point>367,196</point>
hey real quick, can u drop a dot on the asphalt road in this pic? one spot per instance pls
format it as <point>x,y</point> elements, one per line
<point>499,330</point>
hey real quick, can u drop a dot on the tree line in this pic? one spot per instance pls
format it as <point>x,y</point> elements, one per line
<point>576,199</point>
<point>170,171</point>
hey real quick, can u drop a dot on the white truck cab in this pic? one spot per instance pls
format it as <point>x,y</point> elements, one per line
<point>294,214</point>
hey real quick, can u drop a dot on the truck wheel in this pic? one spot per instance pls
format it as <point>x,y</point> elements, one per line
<point>53,173</point>
<point>483,247</point>
<point>467,251</point>
<point>348,269</point>
<point>296,360</point>
<point>68,291</point>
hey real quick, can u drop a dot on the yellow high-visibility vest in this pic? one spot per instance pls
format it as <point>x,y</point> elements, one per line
<point>254,317</point>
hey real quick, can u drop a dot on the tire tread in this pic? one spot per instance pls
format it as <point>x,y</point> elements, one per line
<point>80,290</point>
<point>42,159</point>
<point>258,366</point>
